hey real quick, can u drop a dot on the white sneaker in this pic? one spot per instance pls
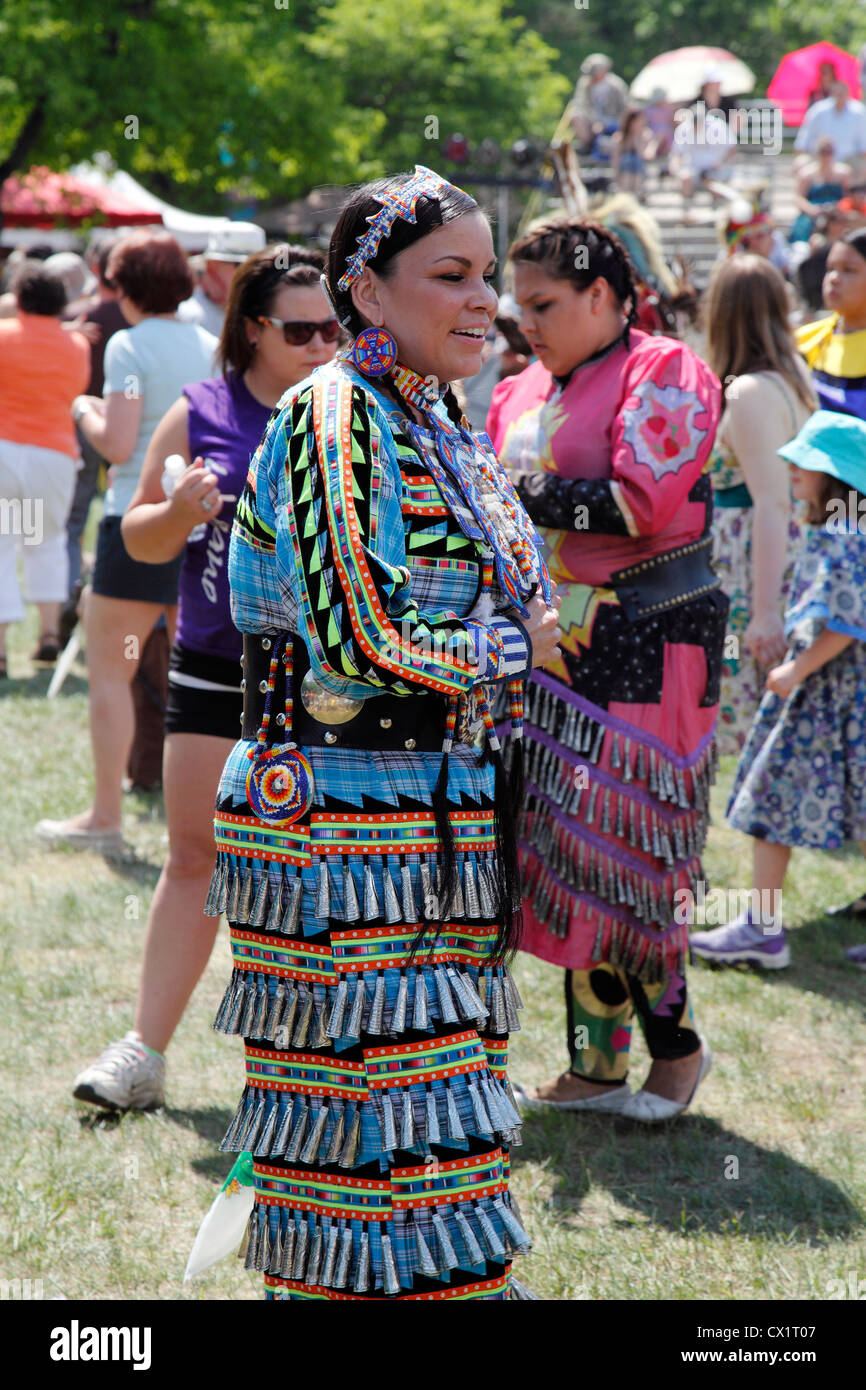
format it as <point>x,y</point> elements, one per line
<point>124,1077</point>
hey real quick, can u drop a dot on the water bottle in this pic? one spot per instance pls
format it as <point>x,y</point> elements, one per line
<point>172,471</point>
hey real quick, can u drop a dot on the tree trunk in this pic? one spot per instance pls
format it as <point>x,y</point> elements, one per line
<point>27,137</point>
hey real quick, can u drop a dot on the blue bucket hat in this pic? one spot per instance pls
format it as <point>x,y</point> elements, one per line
<point>833,443</point>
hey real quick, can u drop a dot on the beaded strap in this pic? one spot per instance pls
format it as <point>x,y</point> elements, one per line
<point>288,663</point>
<point>450,723</point>
<point>515,707</point>
<point>486,713</point>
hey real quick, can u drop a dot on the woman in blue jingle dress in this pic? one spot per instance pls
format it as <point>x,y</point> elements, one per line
<point>384,575</point>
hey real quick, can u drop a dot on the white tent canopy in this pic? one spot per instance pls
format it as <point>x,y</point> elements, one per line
<point>190,228</point>
<point>35,236</point>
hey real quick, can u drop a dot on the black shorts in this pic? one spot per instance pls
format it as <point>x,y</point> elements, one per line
<point>195,710</point>
<point>117,575</point>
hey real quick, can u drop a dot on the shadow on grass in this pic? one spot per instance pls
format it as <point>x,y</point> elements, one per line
<point>99,1119</point>
<point>692,1175</point>
<point>135,867</point>
<point>210,1123</point>
<point>37,684</point>
<point>216,1167</point>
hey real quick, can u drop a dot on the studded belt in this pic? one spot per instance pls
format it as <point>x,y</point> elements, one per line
<point>667,580</point>
<point>385,723</point>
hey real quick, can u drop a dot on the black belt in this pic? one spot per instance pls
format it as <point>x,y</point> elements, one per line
<point>665,581</point>
<point>386,723</point>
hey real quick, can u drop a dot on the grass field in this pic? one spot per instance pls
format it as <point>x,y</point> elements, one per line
<point>760,1192</point>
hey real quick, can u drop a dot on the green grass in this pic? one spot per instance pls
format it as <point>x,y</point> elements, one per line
<point>101,1208</point>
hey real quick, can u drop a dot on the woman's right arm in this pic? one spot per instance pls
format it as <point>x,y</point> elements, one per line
<point>758,426</point>
<point>341,551</point>
<point>155,528</point>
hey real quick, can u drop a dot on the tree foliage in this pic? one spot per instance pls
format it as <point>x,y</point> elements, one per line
<point>264,98</point>
<point>632,32</point>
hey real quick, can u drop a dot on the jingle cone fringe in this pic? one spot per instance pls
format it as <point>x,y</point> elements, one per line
<point>293,1014</point>
<point>612,827</point>
<point>272,897</point>
<point>332,1130</point>
<point>364,1256</point>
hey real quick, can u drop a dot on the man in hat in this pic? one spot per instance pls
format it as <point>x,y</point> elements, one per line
<point>599,100</point>
<point>226,250</point>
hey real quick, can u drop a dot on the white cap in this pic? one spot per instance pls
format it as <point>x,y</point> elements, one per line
<point>235,242</point>
<point>72,270</point>
<point>596,62</point>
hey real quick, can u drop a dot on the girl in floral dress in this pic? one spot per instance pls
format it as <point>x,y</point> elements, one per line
<point>802,777</point>
<point>756,536</point>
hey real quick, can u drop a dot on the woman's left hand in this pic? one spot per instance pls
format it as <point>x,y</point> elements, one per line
<point>196,496</point>
<point>91,331</point>
<point>783,679</point>
<point>765,639</point>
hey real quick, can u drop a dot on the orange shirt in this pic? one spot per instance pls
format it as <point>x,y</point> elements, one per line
<point>43,368</point>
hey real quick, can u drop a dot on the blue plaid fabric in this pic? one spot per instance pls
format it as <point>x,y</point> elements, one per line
<point>428,571</point>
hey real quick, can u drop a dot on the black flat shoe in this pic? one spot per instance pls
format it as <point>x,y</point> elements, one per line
<point>856,909</point>
<point>48,650</point>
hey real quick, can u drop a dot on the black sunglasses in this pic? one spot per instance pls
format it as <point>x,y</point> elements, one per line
<point>299,331</point>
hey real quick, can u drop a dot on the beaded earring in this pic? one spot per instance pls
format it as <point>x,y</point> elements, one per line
<point>373,352</point>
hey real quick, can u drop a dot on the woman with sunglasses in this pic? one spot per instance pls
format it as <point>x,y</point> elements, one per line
<point>278,328</point>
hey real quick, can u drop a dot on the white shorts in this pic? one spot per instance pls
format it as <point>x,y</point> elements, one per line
<point>36,487</point>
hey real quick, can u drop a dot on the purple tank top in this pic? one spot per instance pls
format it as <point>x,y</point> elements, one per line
<point>226,424</point>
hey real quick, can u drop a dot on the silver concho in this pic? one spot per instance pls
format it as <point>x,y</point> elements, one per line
<point>324,705</point>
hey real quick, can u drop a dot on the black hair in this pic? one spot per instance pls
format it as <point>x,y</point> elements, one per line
<point>856,240</point>
<point>352,224</point>
<point>252,291</point>
<point>101,257</point>
<point>554,245</point>
<point>431,213</point>
<point>37,291</point>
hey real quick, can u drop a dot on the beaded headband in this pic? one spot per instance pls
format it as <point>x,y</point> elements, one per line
<point>396,202</point>
<point>735,232</point>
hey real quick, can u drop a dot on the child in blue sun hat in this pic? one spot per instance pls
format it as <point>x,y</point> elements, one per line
<point>801,778</point>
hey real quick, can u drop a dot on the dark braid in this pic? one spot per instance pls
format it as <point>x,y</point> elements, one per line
<point>554,246</point>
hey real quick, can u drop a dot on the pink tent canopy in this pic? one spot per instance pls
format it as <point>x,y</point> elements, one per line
<point>796,77</point>
<point>45,200</point>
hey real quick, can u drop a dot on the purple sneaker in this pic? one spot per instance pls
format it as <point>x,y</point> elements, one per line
<point>742,941</point>
<point>857,956</point>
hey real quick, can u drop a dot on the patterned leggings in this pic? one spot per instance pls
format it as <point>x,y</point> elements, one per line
<point>601,1004</point>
